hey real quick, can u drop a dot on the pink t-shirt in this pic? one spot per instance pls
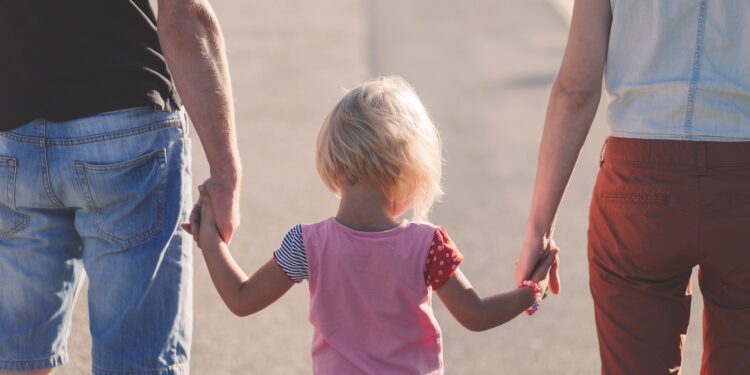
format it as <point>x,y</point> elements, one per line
<point>370,302</point>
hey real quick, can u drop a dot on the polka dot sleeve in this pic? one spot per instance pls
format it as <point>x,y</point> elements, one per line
<point>442,259</point>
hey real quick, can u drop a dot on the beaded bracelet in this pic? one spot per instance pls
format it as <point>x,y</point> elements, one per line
<point>537,295</point>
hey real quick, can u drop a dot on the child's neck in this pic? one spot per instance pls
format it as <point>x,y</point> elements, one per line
<point>365,208</point>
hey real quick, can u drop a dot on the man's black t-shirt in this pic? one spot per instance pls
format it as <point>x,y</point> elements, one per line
<point>65,59</point>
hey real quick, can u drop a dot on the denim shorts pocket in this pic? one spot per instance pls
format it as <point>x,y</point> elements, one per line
<point>10,220</point>
<point>127,198</point>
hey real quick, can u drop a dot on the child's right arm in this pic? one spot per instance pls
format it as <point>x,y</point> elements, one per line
<point>479,314</point>
<point>242,295</point>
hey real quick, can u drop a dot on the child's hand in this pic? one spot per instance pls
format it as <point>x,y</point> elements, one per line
<point>208,236</point>
<point>203,222</point>
<point>545,265</point>
<point>192,226</point>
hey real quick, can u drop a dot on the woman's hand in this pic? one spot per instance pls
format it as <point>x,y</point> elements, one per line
<point>572,106</point>
<point>546,269</point>
<point>527,266</point>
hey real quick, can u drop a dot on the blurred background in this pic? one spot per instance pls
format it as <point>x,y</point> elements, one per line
<point>484,69</point>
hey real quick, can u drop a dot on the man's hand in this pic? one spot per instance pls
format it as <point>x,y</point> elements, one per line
<point>225,203</point>
<point>224,196</point>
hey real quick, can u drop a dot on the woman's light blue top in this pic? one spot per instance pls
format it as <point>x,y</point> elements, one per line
<point>679,69</point>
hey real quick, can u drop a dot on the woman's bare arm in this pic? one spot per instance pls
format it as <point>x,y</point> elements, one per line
<point>572,105</point>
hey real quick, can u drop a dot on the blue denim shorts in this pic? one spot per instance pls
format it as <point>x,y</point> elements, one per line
<point>100,196</point>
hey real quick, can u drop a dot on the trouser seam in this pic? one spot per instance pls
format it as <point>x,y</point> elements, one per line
<point>45,167</point>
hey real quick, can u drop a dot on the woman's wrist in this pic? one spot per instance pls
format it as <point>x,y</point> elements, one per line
<point>539,229</point>
<point>537,236</point>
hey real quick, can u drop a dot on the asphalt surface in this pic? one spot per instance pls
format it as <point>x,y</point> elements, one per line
<point>483,69</point>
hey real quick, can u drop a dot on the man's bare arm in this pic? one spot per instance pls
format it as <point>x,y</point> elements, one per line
<point>193,46</point>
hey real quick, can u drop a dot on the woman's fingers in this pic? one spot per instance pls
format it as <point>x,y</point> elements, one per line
<point>554,276</point>
<point>522,271</point>
<point>544,266</point>
<point>525,266</point>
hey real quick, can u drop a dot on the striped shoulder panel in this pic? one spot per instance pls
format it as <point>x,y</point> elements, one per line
<point>291,256</point>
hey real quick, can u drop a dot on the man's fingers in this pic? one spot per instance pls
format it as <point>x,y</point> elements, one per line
<point>225,219</point>
<point>196,231</point>
<point>223,208</point>
<point>226,231</point>
<point>224,205</point>
<point>187,227</point>
<point>195,221</point>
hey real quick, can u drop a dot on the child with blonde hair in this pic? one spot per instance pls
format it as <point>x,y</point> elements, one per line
<point>370,274</point>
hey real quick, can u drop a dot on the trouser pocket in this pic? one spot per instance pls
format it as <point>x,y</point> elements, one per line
<point>127,198</point>
<point>10,220</point>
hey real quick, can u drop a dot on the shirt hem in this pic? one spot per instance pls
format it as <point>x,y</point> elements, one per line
<point>677,137</point>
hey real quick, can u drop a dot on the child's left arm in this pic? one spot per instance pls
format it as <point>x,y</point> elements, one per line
<point>243,295</point>
<point>479,314</point>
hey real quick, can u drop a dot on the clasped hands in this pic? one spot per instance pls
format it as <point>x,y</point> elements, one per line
<point>533,254</point>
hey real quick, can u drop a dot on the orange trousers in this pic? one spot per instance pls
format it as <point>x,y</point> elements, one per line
<point>660,208</point>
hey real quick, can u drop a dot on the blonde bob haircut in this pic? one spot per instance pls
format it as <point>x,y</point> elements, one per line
<point>380,133</point>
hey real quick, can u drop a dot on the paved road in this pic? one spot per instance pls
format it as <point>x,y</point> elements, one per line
<point>484,69</point>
